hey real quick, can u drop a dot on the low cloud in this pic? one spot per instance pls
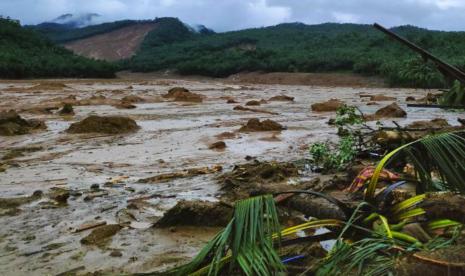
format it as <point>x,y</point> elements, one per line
<point>228,15</point>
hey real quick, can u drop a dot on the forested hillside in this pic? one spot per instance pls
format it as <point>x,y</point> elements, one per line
<point>296,47</point>
<point>60,33</point>
<point>26,54</point>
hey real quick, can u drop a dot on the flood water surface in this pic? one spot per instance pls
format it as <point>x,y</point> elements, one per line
<point>103,171</point>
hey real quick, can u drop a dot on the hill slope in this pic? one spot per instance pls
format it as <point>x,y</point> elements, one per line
<point>26,54</point>
<point>121,39</point>
<point>296,47</point>
<point>119,44</point>
<point>62,33</point>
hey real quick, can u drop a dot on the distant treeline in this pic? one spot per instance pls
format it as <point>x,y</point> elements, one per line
<point>26,54</point>
<point>296,47</point>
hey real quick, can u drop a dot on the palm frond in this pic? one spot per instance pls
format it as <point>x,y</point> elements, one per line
<point>443,154</point>
<point>246,243</point>
<point>369,256</point>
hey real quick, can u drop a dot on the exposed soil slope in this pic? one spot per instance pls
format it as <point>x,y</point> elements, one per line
<point>114,45</point>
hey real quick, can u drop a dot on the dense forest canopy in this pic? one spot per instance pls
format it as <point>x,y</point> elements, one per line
<point>296,47</point>
<point>26,54</point>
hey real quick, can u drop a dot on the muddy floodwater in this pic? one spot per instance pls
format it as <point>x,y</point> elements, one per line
<point>102,171</point>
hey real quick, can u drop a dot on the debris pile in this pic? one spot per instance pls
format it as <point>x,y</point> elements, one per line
<point>254,124</point>
<point>197,213</point>
<point>181,94</point>
<point>107,125</point>
<point>331,105</point>
<point>13,124</point>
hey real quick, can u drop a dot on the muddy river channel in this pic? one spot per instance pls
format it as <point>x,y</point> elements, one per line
<point>99,174</point>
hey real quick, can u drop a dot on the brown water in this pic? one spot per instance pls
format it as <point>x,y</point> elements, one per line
<point>173,136</point>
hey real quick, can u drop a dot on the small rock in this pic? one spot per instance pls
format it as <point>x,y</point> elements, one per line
<point>132,99</point>
<point>266,125</point>
<point>220,145</point>
<point>410,99</point>
<point>196,213</point>
<point>391,111</point>
<point>380,98</point>
<point>60,195</point>
<point>108,125</point>
<point>125,105</point>
<point>181,94</point>
<point>331,105</point>
<point>282,98</point>
<point>435,123</point>
<point>12,124</point>
<point>101,234</point>
<point>116,253</point>
<point>252,103</point>
<point>66,110</point>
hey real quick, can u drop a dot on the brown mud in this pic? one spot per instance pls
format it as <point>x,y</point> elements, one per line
<point>95,177</point>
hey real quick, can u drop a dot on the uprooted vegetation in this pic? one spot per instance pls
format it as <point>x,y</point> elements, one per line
<point>399,214</point>
<point>388,234</point>
<point>13,124</point>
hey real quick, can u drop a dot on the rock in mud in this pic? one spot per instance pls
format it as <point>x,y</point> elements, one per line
<point>444,261</point>
<point>430,98</point>
<point>381,98</point>
<point>231,101</point>
<point>101,234</point>
<point>66,110</point>
<point>226,135</point>
<point>116,253</point>
<point>132,99</point>
<point>254,124</point>
<point>241,108</point>
<point>253,103</point>
<point>124,105</point>
<point>12,124</point>
<point>108,125</point>
<point>410,99</point>
<point>10,206</point>
<point>196,213</point>
<point>19,152</point>
<point>445,205</point>
<point>331,105</point>
<point>181,94</point>
<point>282,98</point>
<point>220,145</point>
<point>60,195</point>
<point>181,174</point>
<point>257,177</point>
<point>435,123</point>
<point>391,111</point>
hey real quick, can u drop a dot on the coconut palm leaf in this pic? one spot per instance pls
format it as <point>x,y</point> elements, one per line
<point>443,154</point>
<point>246,243</point>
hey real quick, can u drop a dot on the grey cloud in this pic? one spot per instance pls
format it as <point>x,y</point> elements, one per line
<point>223,15</point>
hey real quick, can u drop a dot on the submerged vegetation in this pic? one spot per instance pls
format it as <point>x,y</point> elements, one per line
<point>26,54</point>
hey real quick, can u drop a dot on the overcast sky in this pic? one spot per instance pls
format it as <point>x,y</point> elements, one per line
<point>225,15</point>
